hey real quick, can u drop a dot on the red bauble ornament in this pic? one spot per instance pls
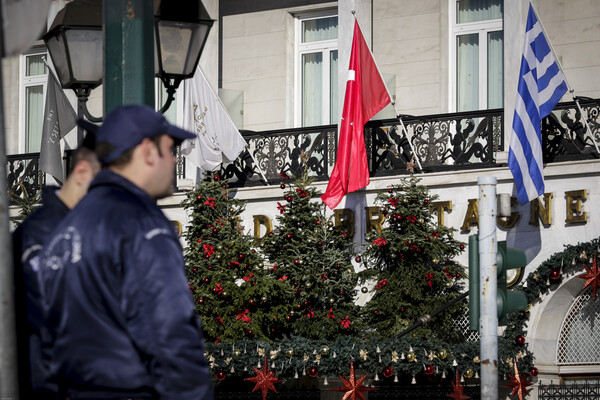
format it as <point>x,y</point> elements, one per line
<point>201,301</point>
<point>534,371</point>
<point>206,280</point>
<point>313,372</point>
<point>388,372</point>
<point>426,201</point>
<point>241,256</point>
<point>429,369</point>
<point>318,222</point>
<point>375,312</point>
<point>271,233</point>
<point>520,340</point>
<point>199,197</point>
<point>358,259</point>
<point>462,246</point>
<point>194,269</point>
<point>320,243</point>
<point>288,198</point>
<point>296,261</point>
<point>220,375</point>
<point>251,302</point>
<point>215,230</point>
<point>390,190</point>
<point>282,186</point>
<point>288,235</point>
<point>224,186</point>
<point>216,177</point>
<point>555,274</point>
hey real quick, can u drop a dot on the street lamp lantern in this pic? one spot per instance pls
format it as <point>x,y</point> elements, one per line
<point>75,43</point>
<point>181,29</point>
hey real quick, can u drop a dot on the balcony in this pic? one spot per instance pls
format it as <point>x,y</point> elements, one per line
<point>443,142</point>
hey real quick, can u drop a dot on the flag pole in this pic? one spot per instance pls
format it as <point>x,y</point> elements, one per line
<point>393,103</point>
<point>569,87</point>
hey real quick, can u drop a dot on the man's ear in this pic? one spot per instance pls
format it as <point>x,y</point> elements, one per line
<point>83,172</point>
<point>149,151</point>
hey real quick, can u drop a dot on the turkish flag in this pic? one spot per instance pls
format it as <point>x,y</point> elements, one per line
<point>365,96</point>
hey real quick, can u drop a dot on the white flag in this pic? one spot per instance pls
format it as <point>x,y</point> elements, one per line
<point>217,139</point>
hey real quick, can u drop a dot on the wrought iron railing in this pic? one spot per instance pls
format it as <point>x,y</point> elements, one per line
<point>574,391</point>
<point>442,142</point>
<point>24,178</point>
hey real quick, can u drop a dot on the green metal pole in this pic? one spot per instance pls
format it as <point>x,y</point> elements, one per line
<point>128,53</point>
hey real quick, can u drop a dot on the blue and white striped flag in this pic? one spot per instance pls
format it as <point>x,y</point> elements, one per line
<point>541,86</point>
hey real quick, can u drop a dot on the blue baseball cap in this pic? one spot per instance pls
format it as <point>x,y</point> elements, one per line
<point>126,126</point>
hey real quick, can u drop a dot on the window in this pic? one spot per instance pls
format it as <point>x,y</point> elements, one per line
<point>316,72</point>
<point>477,38</point>
<point>34,78</point>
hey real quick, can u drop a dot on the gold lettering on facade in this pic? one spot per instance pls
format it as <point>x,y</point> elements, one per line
<point>541,211</point>
<point>375,219</point>
<point>471,216</point>
<point>264,221</point>
<point>574,212</point>
<point>344,219</point>
<point>440,207</point>
<point>509,222</point>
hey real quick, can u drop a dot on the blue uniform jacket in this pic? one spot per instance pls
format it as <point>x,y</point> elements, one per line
<point>28,239</point>
<point>119,311</point>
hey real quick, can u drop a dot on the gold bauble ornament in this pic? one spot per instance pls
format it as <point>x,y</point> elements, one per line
<point>324,350</point>
<point>469,373</point>
<point>236,353</point>
<point>442,354</point>
<point>289,352</point>
<point>410,356</point>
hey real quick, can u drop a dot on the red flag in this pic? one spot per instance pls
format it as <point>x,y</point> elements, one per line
<point>366,95</point>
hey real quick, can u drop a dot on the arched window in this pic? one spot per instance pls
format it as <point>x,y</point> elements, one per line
<point>578,340</point>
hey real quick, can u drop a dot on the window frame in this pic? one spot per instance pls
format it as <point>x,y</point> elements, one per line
<point>325,47</point>
<point>482,28</point>
<point>25,82</point>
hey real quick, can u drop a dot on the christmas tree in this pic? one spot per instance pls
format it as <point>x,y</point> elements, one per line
<point>306,250</point>
<point>410,272</point>
<point>235,295</point>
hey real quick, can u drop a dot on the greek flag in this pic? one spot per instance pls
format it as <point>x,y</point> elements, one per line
<point>541,86</point>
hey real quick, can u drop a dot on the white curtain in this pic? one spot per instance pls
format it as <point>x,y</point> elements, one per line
<point>495,70</point>
<point>333,89</point>
<point>312,84</point>
<point>34,104</point>
<point>467,72</point>
<point>319,29</point>
<point>478,10</point>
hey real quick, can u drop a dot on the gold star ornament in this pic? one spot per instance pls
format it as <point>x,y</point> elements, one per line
<point>264,380</point>
<point>353,388</point>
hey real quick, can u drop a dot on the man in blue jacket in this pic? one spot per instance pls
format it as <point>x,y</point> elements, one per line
<point>120,316</point>
<point>28,239</point>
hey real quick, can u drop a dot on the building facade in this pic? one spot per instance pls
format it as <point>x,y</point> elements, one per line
<point>451,67</point>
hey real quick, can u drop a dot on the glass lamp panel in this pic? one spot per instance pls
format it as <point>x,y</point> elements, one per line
<point>174,43</point>
<point>85,48</point>
<point>57,50</point>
